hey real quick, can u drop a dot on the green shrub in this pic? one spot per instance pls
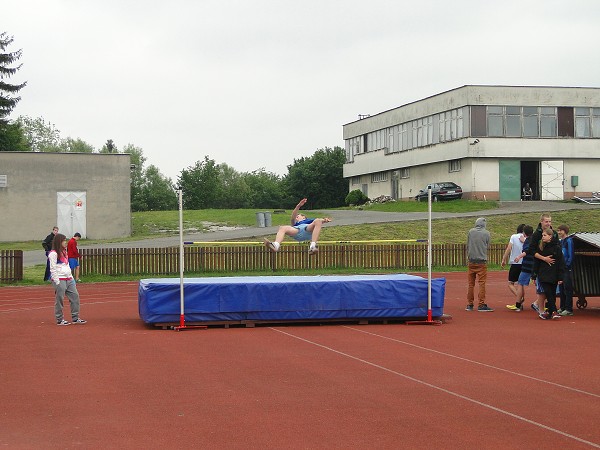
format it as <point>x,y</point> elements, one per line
<point>356,197</point>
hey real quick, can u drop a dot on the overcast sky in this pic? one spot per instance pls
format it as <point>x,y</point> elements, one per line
<point>259,83</point>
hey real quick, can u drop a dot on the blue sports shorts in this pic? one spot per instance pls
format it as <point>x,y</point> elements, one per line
<point>73,262</point>
<point>302,235</point>
<point>524,278</point>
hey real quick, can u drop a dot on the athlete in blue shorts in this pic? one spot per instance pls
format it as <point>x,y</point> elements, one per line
<point>301,229</point>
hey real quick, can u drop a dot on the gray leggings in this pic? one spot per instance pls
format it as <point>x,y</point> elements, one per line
<point>69,288</point>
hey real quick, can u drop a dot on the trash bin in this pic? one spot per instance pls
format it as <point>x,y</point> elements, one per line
<point>268,221</point>
<point>260,219</point>
<point>586,267</point>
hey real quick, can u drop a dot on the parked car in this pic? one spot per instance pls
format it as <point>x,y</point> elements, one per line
<point>445,190</point>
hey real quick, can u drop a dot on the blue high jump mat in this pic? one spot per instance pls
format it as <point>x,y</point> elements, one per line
<point>289,298</point>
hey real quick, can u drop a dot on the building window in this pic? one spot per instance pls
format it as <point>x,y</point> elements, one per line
<point>376,140</point>
<point>355,180</point>
<point>587,122</point>
<point>531,121</point>
<point>405,172</point>
<point>451,125</point>
<point>378,177</point>
<point>406,135</point>
<point>513,121</point>
<point>454,165</point>
<point>478,121</point>
<point>495,121</point>
<point>547,121</point>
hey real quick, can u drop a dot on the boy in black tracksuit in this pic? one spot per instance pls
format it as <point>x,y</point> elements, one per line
<point>550,275</point>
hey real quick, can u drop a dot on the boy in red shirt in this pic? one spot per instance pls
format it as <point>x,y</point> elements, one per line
<point>73,254</point>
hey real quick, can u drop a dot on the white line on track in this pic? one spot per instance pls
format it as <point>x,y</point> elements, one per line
<point>489,366</point>
<point>51,306</point>
<point>438,388</point>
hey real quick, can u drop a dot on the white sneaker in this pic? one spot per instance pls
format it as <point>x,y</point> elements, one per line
<point>313,250</point>
<point>63,323</point>
<point>79,321</point>
<point>270,245</point>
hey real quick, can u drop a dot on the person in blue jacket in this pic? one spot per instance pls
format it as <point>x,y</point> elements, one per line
<point>566,288</point>
<point>301,229</point>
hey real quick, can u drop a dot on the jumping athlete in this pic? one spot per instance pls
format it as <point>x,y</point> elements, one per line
<point>301,229</point>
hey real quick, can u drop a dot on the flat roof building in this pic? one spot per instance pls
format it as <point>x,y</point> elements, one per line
<point>88,193</point>
<point>490,140</point>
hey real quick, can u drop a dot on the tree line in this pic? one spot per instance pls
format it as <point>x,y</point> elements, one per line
<point>205,184</point>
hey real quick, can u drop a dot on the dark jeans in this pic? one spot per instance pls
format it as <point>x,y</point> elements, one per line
<point>566,291</point>
<point>550,292</point>
<point>47,274</point>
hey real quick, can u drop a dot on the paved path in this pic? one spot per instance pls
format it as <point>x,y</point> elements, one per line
<point>340,217</point>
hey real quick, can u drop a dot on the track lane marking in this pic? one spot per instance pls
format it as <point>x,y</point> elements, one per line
<point>489,366</point>
<point>438,388</point>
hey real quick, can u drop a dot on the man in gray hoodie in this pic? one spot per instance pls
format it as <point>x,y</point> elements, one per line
<point>478,241</point>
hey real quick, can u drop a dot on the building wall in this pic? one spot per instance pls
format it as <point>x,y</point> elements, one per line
<point>479,157</point>
<point>28,204</point>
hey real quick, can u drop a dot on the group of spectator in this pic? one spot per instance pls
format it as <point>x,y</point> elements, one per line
<point>544,256</point>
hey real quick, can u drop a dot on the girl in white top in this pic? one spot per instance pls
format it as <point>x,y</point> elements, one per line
<point>63,282</point>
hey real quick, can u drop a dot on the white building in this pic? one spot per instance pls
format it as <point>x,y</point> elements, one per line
<point>490,140</point>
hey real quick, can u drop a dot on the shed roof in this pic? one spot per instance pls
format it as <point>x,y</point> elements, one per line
<point>589,238</point>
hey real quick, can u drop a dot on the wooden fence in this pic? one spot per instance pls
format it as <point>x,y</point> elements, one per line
<point>11,266</point>
<point>233,258</point>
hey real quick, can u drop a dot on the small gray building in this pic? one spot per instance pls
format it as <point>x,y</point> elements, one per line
<point>87,193</point>
<point>491,140</point>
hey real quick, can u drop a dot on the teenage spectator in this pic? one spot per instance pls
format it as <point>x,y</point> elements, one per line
<point>73,253</point>
<point>550,275</point>
<point>526,268</point>
<point>513,249</point>
<point>478,241</point>
<point>63,282</point>
<point>545,223</point>
<point>47,244</point>
<point>566,288</point>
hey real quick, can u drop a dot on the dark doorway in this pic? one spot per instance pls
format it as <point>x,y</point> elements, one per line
<point>530,173</point>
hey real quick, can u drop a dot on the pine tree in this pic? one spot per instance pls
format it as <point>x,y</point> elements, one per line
<point>8,100</point>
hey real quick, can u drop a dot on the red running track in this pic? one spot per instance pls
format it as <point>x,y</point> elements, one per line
<point>501,380</point>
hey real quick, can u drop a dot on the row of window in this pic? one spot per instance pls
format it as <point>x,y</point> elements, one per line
<point>443,127</point>
<point>379,177</point>
<point>542,121</point>
<point>485,121</point>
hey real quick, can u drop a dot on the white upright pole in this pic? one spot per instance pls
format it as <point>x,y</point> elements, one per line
<point>181,297</point>
<point>429,255</point>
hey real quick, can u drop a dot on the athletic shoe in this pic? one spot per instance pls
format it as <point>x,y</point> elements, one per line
<point>535,308</point>
<point>63,323</point>
<point>270,246</point>
<point>313,251</point>
<point>484,308</point>
<point>565,312</point>
<point>519,307</point>
<point>79,321</point>
<point>469,308</point>
<point>512,307</point>
<point>555,315</point>
<point>544,316</point>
